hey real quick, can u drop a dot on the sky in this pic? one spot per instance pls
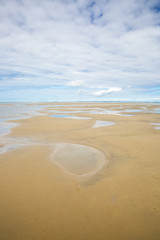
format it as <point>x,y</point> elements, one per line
<point>79,50</point>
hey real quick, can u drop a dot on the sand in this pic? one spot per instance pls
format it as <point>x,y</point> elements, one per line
<point>121,201</point>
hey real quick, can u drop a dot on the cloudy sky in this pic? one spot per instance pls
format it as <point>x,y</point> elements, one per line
<point>79,50</point>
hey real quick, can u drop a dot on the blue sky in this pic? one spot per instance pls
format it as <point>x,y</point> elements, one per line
<point>79,50</point>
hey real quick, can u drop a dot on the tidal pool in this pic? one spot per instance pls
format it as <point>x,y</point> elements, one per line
<point>102,124</point>
<point>68,116</point>
<point>78,160</point>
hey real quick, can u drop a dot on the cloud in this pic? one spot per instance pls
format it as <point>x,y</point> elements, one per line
<point>75,83</point>
<point>81,43</point>
<point>105,92</point>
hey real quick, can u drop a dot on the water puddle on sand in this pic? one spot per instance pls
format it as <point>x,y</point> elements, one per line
<point>157,110</point>
<point>156,125</point>
<point>5,127</point>
<point>131,110</point>
<point>102,124</point>
<point>78,160</point>
<point>68,116</point>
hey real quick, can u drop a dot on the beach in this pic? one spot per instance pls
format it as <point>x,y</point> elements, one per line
<point>94,174</point>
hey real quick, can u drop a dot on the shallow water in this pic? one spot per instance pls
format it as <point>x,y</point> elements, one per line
<point>95,111</point>
<point>102,124</point>
<point>156,125</point>
<point>132,110</point>
<point>17,111</point>
<point>78,159</point>
<point>5,127</point>
<point>68,116</point>
<point>157,110</point>
<point>11,147</point>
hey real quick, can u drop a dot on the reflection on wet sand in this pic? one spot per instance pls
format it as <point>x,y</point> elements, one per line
<point>156,125</point>
<point>78,160</point>
<point>102,124</point>
<point>68,116</point>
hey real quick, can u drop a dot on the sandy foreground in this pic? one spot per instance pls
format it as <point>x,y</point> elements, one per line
<point>121,201</point>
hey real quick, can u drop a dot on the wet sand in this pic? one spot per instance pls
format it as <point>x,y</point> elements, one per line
<point>40,200</point>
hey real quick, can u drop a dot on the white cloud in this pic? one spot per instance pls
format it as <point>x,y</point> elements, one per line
<point>105,92</point>
<point>157,98</point>
<point>75,83</point>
